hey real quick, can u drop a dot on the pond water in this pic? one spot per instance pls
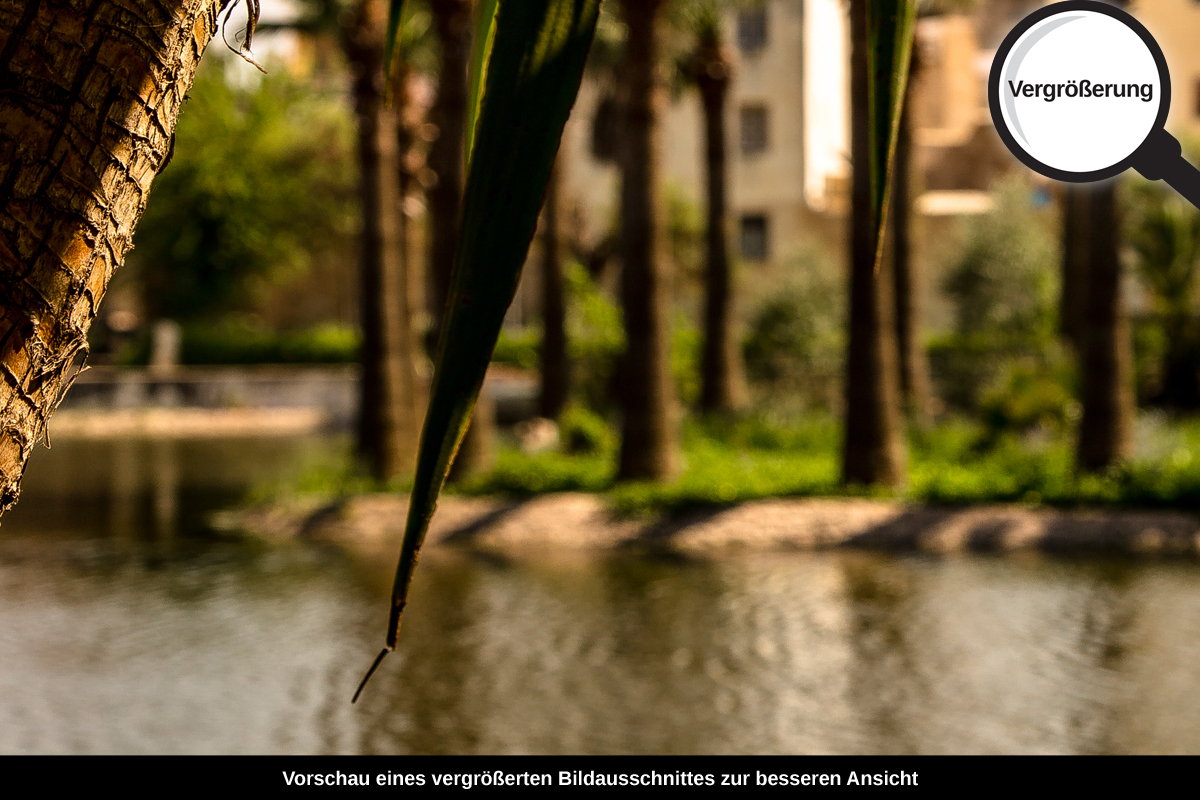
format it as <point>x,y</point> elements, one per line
<point>126,628</point>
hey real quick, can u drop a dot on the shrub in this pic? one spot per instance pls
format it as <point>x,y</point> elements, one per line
<point>584,432</point>
<point>1004,287</point>
<point>795,344</point>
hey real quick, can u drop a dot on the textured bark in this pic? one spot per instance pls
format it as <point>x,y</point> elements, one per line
<point>873,451</point>
<point>1105,432</point>
<point>915,389</point>
<point>387,430</point>
<point>723,386</point>
<point>452,20</point>
<point>649,439</point>
<point>91,94</point>
<point>556,377</point>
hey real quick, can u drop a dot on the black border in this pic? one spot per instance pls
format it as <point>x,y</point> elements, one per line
<point>1028,22</point>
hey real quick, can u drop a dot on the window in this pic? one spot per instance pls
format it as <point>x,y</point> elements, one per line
<point>752,28</point>
<point>754,129</point>
<point>755,244</point>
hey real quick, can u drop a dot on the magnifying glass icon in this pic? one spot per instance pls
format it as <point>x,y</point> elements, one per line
<point>1079,92</point>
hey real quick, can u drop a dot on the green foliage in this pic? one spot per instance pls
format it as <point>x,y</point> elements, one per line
<point>595,338</point>
<point>1033,393</point>
<point>521,475</point>
<point>262,179</point>
<point>521,349</point>
<point>795,345</point>
<point>1163,231</point>
<point>686,228</point>
<point>1004,287</point>
<point>757,458</point>
<point>242,340</point>
<point>1164,234</point>
<point>1004,283</point>
<point>687,357</point>
<point>584,432</point>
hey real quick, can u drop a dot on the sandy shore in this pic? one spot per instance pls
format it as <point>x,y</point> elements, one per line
<point>582,522</point>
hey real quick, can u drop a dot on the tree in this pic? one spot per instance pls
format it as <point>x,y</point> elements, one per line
<point>452,21</point>
<point>915,390</point>
<point>556,375</point>
<point>723,384</point>
<point>1105,431</point>
<point>649,437</point>
<point>387,429</point>
<point>214,237</point>
<point>92,95</point>
<point>389,390</point>
<point>880,35</point>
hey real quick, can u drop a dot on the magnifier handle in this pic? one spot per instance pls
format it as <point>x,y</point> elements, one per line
<point>1160,158</point>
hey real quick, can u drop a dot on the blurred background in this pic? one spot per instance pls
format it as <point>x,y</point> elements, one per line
<point>1046,342</point>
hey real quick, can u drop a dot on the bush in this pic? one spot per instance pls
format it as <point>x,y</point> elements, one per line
<point>595,339</point>
<point>262,182</point>
<point>1004,287</point>
<point>584,432</point>
<point>240,340</point>
<point>522,349</point>
<point>795,344</point>
<point>1033,394</point>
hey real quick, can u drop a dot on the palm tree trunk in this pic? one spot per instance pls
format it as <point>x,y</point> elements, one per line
<point>723,387</point>
<point>555,367</point>
<point>387,431</point>
<point>1106,428</point>
<point>452,20</point>
<point>649,440</point>
<point>92,91</point>
<point>873,452</point>
<point>915,387</point>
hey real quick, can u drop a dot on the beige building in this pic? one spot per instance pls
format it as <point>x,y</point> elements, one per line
<point>788,120</point>
<point>1175,24</point>
<point>789,129</point>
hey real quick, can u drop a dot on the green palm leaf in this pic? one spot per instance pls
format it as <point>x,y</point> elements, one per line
<point>533,76</point>
<point>485,33</point>
<point>890,27</point>
<point>391,35</point>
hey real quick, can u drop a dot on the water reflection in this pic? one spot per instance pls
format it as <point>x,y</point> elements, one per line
<point>124,629</point>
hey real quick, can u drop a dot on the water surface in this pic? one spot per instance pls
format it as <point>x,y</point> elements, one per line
<point>125,627</point>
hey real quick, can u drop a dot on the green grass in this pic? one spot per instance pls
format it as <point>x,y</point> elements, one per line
<point>956,463</point>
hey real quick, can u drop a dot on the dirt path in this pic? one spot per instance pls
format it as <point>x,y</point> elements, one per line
<point>581,521</point>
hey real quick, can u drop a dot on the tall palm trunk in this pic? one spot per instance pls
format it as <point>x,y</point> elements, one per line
<point>915,389</point>
<point>649,440</point>
<point>723,386</point>
<point>1106,428</point>
<point>91,94</point>
<point>387,430</point>
<point>555,367</point>
<point>873,452</point>
<point>452,20</point>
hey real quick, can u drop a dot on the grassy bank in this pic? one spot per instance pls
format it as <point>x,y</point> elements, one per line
<point>727,463</point>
